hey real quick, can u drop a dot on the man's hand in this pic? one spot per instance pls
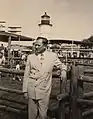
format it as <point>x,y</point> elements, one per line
<point>64,81</point>
<point>63,74</point>
<point>26,95</point>
<point>63,71</point>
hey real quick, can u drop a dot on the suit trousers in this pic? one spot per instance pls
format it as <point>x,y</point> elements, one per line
<point>37,108</point>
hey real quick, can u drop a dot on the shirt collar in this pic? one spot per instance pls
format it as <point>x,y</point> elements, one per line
<point>42,54</point>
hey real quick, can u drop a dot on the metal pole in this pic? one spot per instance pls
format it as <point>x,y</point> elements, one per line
<point>9,48</point>
<point>72,49</point>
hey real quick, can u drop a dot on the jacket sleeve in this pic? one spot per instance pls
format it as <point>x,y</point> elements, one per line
<point>26,75</point>
<point>60,65</point>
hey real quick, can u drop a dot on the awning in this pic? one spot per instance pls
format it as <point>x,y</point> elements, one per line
<point>4,36</point>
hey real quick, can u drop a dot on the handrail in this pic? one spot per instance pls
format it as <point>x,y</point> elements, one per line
<point>11,90</point>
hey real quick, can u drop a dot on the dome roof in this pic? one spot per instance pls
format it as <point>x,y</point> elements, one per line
<point>45,15</point>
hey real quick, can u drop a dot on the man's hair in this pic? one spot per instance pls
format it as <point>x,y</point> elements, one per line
<point>44,40</point>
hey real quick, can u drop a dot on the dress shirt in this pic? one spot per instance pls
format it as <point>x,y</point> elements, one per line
<point>41,57</point>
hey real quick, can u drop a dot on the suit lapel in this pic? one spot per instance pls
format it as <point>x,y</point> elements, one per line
<point>45,62</point>
<point>37,62</point>
<point>45,59</point>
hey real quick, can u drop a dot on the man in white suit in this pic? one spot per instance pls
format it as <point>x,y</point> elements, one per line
<point>37,81</point>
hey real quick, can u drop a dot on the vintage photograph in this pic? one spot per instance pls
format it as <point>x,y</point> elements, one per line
<point>46,59</point>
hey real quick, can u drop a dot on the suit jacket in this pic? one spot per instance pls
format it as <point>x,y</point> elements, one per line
<point>38,79</point>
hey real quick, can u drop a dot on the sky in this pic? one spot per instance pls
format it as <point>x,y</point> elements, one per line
<point>71,19</point>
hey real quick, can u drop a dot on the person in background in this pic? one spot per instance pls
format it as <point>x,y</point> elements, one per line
<point>2,58</point>
<point>2,48</point>
<point>18,66</point>
<point>37,82</point>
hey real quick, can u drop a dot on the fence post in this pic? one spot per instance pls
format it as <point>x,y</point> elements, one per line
<point>61,111</point>
<point>73,93</point>
<point>80,89</point>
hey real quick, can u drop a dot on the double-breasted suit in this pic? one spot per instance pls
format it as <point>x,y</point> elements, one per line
<point>38,78</point>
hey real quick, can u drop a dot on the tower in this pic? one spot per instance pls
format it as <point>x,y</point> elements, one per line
<point>45,26</point>
<point>2,26</point>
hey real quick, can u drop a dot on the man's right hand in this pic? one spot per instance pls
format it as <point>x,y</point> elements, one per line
<point>26,95</point>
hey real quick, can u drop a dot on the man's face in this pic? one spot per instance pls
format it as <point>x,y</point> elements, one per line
<point>39,46</point>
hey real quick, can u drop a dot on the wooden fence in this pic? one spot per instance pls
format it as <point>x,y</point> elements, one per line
<point>80,103</point>
<point>75,104</point>
<point>23,104</point>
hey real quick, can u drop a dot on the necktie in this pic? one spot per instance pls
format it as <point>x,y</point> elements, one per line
<point>41,59</point>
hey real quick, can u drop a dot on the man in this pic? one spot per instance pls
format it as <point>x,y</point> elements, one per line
<point>2,58</point>
<point>37,81</point>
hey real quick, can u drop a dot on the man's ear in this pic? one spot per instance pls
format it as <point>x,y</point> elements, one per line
<point>44,47</point>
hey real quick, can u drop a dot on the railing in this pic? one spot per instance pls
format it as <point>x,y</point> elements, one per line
<point>80,101</point>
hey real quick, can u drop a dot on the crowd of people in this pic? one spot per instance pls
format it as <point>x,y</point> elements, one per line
<point>21,57</point>
<point>14,63</point>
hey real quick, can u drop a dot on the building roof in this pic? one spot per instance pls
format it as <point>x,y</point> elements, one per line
<point>57,41</point>
<point>14,37</point>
